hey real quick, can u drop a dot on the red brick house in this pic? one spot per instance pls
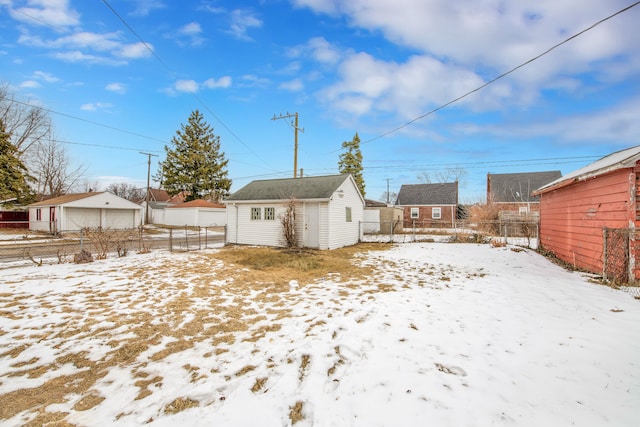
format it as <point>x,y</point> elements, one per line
<point>588,218</point>
<point>428,205</point>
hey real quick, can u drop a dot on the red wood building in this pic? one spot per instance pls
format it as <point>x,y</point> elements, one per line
<point>579,212</point>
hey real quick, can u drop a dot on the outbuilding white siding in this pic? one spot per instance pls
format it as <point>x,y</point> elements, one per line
<point>327,222</point>
<point>73,212</point>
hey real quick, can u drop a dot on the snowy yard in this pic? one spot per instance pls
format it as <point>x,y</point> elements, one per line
<point>436,334</point>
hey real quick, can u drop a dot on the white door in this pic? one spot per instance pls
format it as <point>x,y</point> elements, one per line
<point>311,226</point>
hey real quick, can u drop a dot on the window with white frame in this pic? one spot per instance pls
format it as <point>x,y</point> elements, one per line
<point>436,213</point>
<point>269,214</point>
<point>348,214</point>
<point>415,213</point>
<point>38,214</point>
<point>255,214</point>
<point>523,210</point>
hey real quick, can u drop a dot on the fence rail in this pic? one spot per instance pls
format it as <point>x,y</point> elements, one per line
<point>19,247</point>
<point>520,232</point>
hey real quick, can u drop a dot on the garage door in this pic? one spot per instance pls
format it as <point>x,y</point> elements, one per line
<point>78,218</point>
<point>120,218</point>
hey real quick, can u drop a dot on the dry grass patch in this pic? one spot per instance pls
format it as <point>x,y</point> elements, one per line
<point>180,404</point>
<point>295,412</point>
<point>279,266</point>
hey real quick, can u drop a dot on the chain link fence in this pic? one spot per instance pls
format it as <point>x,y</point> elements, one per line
<point>621,258</point>
<point>20,247</point>
<point>521,233</point>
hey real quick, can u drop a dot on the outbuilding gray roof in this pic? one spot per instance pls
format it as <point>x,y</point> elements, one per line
<point>314,187</point>
<point>517,187</point>
<point>445,193</point>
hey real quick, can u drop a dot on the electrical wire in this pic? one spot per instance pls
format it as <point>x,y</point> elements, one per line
<point>512,70</point>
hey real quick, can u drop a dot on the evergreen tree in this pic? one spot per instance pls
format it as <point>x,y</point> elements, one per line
<point>351,161</point>
<point>194,163</point>
<point>14,177</point>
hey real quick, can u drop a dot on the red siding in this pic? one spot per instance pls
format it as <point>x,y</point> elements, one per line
<point>572,218</point>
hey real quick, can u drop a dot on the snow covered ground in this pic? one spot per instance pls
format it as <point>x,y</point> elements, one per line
<point>440,335</point>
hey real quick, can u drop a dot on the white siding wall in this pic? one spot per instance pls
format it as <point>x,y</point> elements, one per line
<point>324,225</point>
<point>202,217</point>
<point>371,220</point>
<point>341,232</point>
<point>255,232</point>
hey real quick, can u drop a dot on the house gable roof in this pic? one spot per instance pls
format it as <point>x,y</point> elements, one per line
<point>67,198</point>
<point>518,187</point>
<point>315,187</point>
<point>445,193</point>
<point>198,203</point>
<point>618,160</point>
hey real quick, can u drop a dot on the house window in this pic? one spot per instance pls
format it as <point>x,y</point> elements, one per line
<point>523,210</point>
<point>269,214</point>
<point>38,214</point>
<point>348,213</point>
<point>255,214</point>
<point>436,213</point>
<point>415,213</point>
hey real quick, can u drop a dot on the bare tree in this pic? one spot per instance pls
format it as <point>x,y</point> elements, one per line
<point>126,191</point>
<point>27,124</point>
<point>55,175</point>
<point>439,176</point>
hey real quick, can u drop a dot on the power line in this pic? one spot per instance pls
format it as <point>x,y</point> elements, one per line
<point>535,58</point>
<point>48,110</point>
<point>205,106</point>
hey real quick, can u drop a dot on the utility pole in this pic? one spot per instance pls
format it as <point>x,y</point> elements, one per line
<point>295,138</point>
<point>146,205</point>
<point>388,179</point>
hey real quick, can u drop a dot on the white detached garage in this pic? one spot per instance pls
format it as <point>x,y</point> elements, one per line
<point>328,212</point>
<point>73,212</point>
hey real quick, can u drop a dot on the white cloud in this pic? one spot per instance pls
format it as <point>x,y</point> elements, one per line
<point>29,84</point>
<point>323,52</point>
<point>145,7</point>
<point>52,13</point>
<point>189,86</point>
<point>95,106</point>
<point>116,87</point>
<point>222,82</point>
<point>294,85</point>
<point>47,77</point>
<point>135,50</point>
<point>464,36</point>
<point>405,89</point>
<point>191,29</point>
<point>241,21</point>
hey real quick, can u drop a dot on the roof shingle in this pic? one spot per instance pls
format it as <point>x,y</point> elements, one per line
<point>445,193</point>
<point>316,187</point>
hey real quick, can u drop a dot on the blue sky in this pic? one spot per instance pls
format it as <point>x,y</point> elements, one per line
<point>366,66</point>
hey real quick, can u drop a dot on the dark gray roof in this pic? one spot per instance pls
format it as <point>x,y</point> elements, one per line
<point>517,187</point>
<point>315,187</point>
<point>445,193</point>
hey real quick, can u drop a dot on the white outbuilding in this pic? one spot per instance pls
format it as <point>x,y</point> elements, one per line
<point>328,212</point>
<point>201,213</point>
<point>72,212</point>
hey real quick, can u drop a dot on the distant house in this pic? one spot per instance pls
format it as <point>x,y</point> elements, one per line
<point>201,213</point>
<point>512,191</point>
<point>73,212</point>
<point>381,218</point>
<point>580,211</point>
<point>429,205</point>
<point>328,212</point>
